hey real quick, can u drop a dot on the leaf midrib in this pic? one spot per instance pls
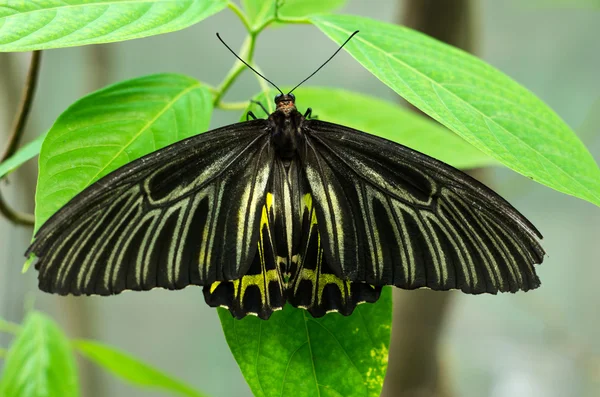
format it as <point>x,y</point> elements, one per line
<point>88,5</point>
<point>167,106</point>
<point>312,357</point>
<point>38,340</point>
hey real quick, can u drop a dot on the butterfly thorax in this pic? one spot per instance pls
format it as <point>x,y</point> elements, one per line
<point>285,124</point>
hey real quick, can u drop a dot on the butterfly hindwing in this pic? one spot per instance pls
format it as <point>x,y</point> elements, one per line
<point>391,215</point>
<point>260,291</point>
<point>186,214</point>
<point>289,264</point>
<point>314,286</point>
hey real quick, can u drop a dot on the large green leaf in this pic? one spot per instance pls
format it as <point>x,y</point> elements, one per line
<point>40,362</point>
<point>112,127</point>
<point>38,25</point>
<point>22,155</point>
<point>258,11</point>
<point>131,369</point>
<point>470,97</point>
<point>294,354</point>
<point>384,119</point>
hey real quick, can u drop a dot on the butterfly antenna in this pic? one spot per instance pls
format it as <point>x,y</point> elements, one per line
<point>246,63</point>
<point>325,63</point>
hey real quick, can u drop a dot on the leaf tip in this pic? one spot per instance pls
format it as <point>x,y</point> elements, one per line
<point>28,263</point>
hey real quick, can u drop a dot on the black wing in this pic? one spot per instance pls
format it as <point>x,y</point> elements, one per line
<point>185,214</point>
<point>392,216</point>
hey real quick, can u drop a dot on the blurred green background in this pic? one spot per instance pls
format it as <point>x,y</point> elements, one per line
<point>543,343</point>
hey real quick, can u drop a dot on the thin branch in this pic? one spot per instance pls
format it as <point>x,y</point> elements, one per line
<point>17,133</point>
<point>243,18</point>
<point>232,105</point>
<point>24,107</point>
<point>19,218</point>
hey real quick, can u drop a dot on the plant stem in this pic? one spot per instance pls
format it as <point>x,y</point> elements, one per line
<point>24,107</point>
<point>232,105</point>
<point>234,7</point>
<point>17,133</point>
<point>246,53</point>
<point>19,218</point>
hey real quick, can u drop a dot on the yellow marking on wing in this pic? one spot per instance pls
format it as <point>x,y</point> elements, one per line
<point>214,286</point>
<point>262,279</point>
<point>320,280</point>
<point>257,280</point>
<point>308,201</point>
<point>313,221</point>
<point>323,281</point>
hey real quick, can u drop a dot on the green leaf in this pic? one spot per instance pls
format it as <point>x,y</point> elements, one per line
<point>470,97</point>
<point>294,354</point>
<point>112,127</point>
<point>22,155</point>
<point>38,25</point>
<point>258,11</point>
<point>303,8</point>
<point>384,119</point>
<point>131,369</point>
<point>40,362</point>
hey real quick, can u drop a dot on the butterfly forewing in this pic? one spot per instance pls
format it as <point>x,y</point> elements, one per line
<point>187,214</point>
<point>393,216</point>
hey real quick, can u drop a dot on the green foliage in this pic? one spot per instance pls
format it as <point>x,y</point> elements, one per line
<point>113,126</point>
<point>29,25</point>
<point>384,119</point>
<point>22,155</point>
<point>260,11</point>
<point>294,354</point>
<point>479,103</point>
<point>39,362</point>
<point>131,369</point>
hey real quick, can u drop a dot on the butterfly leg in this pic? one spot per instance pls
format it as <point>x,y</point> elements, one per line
<point>261,106</point>
<point>250,115</point>
<point>308,114</point>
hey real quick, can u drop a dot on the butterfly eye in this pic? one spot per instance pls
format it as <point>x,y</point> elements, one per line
<point>292,97</point>
<point>278,97</point>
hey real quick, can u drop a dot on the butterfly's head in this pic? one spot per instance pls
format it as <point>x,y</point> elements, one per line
<point>285,102</point>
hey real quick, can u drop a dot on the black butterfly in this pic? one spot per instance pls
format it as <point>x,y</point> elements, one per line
<point>286,209</point>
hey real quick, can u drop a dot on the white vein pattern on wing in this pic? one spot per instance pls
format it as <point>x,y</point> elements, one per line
<point>488,258</point>
<point>126,199</point>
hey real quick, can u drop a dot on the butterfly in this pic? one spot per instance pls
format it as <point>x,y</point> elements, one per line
<point>286,209</point>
